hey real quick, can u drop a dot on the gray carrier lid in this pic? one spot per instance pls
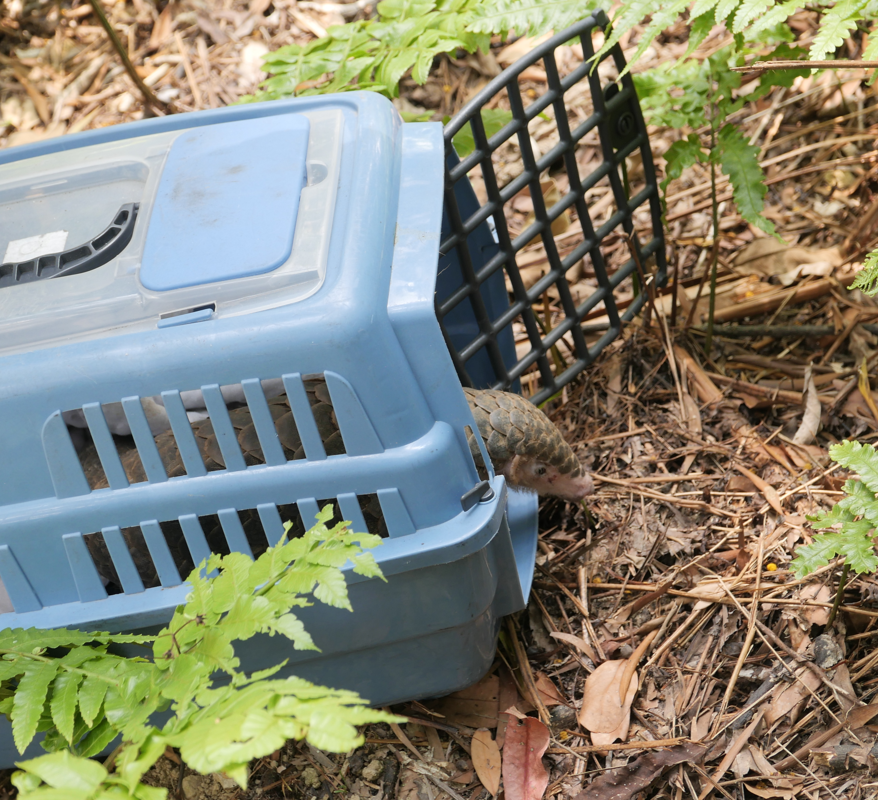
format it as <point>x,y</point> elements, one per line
<point>164,228</point>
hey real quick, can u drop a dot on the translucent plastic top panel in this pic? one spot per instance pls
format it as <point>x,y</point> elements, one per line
<point>228,218</point>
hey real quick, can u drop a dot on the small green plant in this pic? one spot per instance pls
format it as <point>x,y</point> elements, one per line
<point>701,95</point>
<point>82,695</point>
<point>851,522</point>
<point>405,35</point>
<point>867,278</point>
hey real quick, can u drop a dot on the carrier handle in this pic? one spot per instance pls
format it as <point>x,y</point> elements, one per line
<point>76,260</point>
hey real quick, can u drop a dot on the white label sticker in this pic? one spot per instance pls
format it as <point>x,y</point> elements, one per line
<point>34,246</point>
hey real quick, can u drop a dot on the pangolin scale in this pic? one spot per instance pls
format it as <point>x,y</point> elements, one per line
<point>522,443</point>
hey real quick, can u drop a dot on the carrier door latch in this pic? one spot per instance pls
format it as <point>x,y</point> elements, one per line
<point>480,493</point>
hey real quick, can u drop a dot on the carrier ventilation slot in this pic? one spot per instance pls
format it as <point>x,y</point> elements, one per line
<point>129,560</point>
<point>214,428</point>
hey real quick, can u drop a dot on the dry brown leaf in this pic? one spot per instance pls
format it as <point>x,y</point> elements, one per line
<point>629,780</point>
<point>161,30</point>
<point>701,726</point>
<point>508,697</point>
<point>816,594</point>
<point>477,706</point>
<point>486,760</point>
<point>791,695</point>
<point>579,644</point>
<point>549,693</point>
<point>520,47</point>
<point>771,792</point>
<point>524,776</point>
<point>601,713</point>
<point>811,418</point>
<point>767,490</point>
<point>708,590</point>
<point>770,257</point>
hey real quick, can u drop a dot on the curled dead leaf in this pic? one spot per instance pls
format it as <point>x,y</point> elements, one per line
<point>811,418</point>
<point>549,693</point>
<point>601,713</point>
<point>486,760</point>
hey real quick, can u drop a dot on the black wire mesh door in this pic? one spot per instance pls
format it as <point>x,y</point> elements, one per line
<point>564,190</point>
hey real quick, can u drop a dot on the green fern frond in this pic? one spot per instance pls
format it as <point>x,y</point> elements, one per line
<point>748,11</point>
<point>775,15</point>
<point>867,278</point>
<point>854,516</point>
<point>859,457</point>
<point>661,19</point>
<point>699,30</point>
<point>702,7</point>
<point>740,161</point>
<point>89,696</point>
<point>835,27</point>
<point>526,17</point>
<point>629,15</point>
<point>726,9</point>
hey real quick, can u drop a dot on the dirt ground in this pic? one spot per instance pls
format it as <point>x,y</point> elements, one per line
<point>706,464</point>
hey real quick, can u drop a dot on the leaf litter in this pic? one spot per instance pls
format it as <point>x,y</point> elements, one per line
<point>706,465</point>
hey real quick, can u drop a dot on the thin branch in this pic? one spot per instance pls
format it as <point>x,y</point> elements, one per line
<point>841,63</point>
<point>148,96</point>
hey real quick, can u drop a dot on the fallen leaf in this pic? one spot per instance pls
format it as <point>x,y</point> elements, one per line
<point>708,590</point>
<point>524,776</point>
<point>811,418</point>
<point>770,257</point>
<point>161,30</point>
<point>520,47</point>
<point>580,644</point>
<point>628,781</point>
<point>601,713</point>
<point>791,695</point>
<point>507,697</point>
<point>771,792</point>
<point>477,706</point>
<point>767,490</point>
<point>817,594</point>
<point>548,691</point>
<point>486,760</point>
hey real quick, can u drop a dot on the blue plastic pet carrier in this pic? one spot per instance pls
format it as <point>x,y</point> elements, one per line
<point>280,258</point>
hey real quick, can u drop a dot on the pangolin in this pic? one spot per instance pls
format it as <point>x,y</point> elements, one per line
<point>521,441</point>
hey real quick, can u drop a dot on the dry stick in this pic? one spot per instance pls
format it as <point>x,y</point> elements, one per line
<point>840,339</point>
<point>748,640</point>
<point>648,745</point>
<point>699,504</point>
<point>842,63</point>
<point>822,738</point>
<point>778,331</point>
<point>187,68</point>
<point>696,476</point>
<point>798,658</point>
<point>526,673</point>
<point>714,249</point>
<point>586,619</point>
<point>649,288</point>
<point>770,162</point>
<point>631,665</point>
<point>151,100</point>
